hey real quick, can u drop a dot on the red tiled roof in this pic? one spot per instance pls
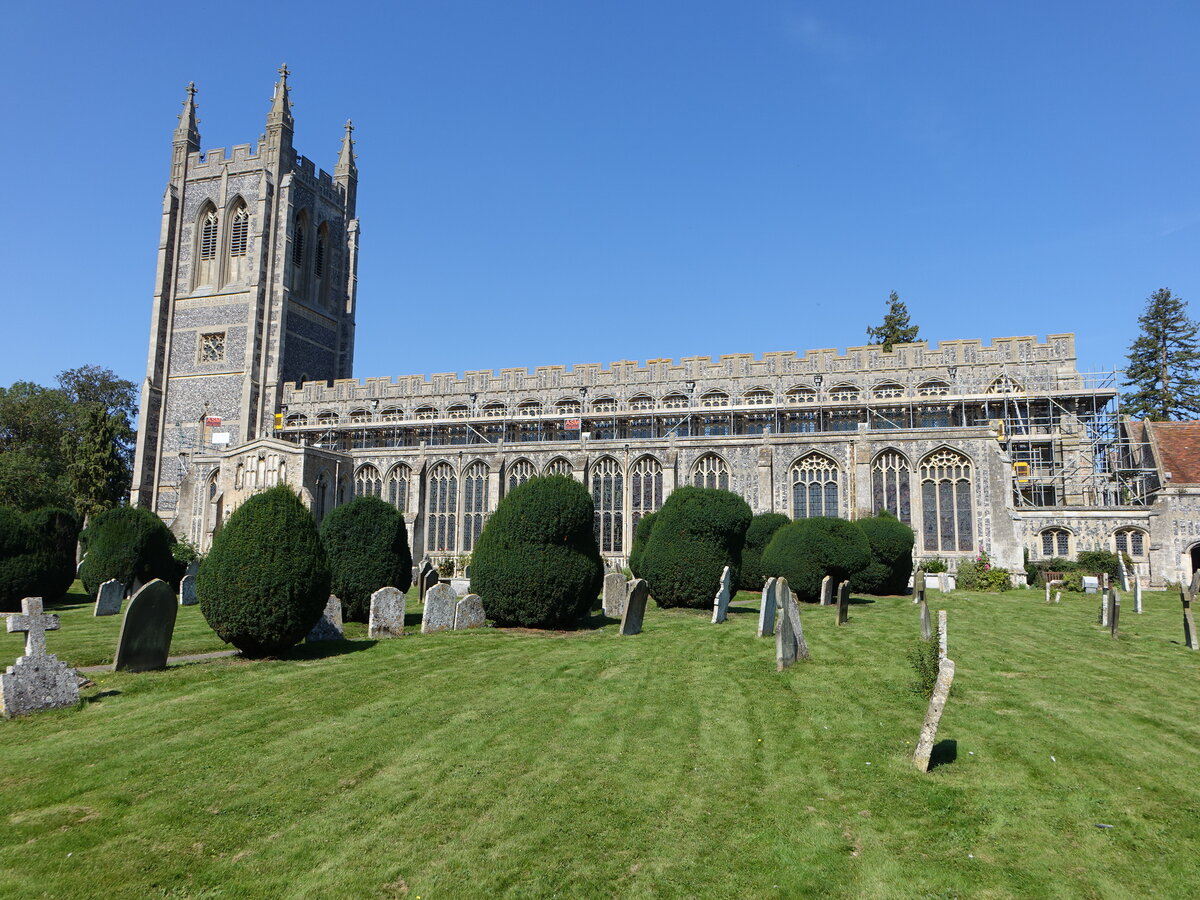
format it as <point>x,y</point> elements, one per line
<point>1178,448</point>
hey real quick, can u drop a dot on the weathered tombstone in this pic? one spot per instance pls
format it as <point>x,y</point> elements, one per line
<point>843,603</point>
<point>460,586</point>
<point>37,680</point>
<point>1104,610</point>
<point>614,594</point>
<point>193,568</point>
<point>721,600</point>
<point>944,582</point>
<point>468,613</point>
<point>926,625</point>
<point>145,639</point>
<point>1114,609</point>
<point>439,609</point>
<point>1124,572</point>
<point>635,607</point>
<point>1190,639</point>
<point>937,703</point>
<point>426,578</point>
<point>329,626</point>
<point>187,591</point>
<point>1091,584</point>
<point>1049,585</point>
<point>918,586</point>
<point>386,619</point>
<point>467,572</point>
<point>789,608</point>
<point>432,579</point>
<point>109,598</point>
<point>827,591</point>
<point>943,638</point>
<point>787,647</point>
<point>766,610</point>
<point>1137,595</point>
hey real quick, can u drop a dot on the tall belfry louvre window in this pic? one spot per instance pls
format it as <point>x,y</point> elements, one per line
<point>208,237</point>
<point>239,229</point>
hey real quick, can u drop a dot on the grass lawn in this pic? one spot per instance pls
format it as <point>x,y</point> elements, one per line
<point>676,763</point>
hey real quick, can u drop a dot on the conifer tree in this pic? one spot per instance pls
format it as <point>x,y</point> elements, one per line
<point>1162,362</point>
<point>895,328</point>
<point>95,469</point>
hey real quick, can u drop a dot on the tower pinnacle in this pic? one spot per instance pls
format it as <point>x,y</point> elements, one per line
<point>281,105</point>
<point>345,163</point>
<point>188,131</point>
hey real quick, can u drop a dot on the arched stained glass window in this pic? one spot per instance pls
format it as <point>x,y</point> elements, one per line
<point>475,503</point>
<point>367,482</point>
<point>443,502</point>
<point>890,485</point>
<point>519,472</point>
<point>608,495</point>
<point>711,471</point>
<point>947,513</point>
<point>814,487</point>
<point>558,466</point>
<point>646,488</point>
<point>397,486</point>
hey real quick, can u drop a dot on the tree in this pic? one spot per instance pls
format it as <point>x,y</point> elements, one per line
<point>758,535</point>
<point>891,565</point>
<point>1162,362</point>
<point>807,550</point>
<point>97,474</point>
<point>129,544</point>
<point>895,328</point>
<point>367,546</point>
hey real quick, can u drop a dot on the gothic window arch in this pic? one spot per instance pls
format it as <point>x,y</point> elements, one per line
<point>494,411</point>
<point>207,229</point>
<point>398,479</point>
<point>568,406</point>
<point>604,405</point>
<point>1004,385</point>
<point>475,503</point>
<point>359,417</point>
<point>801,395</point>
<point>1055,542</point>
<point>392,414</point>
<point>710,471</point>
<point>443,506</point>
<point>759,397</point>
<point>843,392</point>
<point>458,411</point>
<point>558,466</point>
<point>714,398</point>
<point>238,243</point>
<point>814,487</point>
<point>327,418</point>
<point>320,267</point>
<point>519,472</point>
<point>646,488</point>
<point>297,420</point>
<point>425,413</point>
<point>675,401</point>
<point>1131,541</point>
<point>933,388</point>
<point>641,402</point>
<point>947,510</point>
<point>530,408</point>
<point>608,496</point>
<point>299,237</point>
<point>367,482</point>
<point>888,390</point>
<point>891,485</point>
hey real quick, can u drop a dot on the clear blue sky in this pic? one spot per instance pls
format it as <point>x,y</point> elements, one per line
<point>557,182</point>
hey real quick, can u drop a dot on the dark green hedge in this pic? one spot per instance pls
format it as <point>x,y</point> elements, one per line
<point>758,535</point>
<point>536,564</point>
<point>127,543</point>
<point>367,546</point>
<point>807,550</point>
<point>265,582</point>
<point>20,570</point>
<point>891,556</point>
<point>37,555</point>
<point>641,537</point>
<point>696,534</point>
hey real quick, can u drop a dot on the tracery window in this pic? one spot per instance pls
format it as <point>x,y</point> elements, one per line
<point>475,503</point>
<point>568,407</point>
<point>604,405</point>
<point>397,486</point>
<point>608,496</point>
<point>646,488</point>
<point>641,402</point>
<point>426,413</point>
<point>947,511</point>
<point>239,230</point>
<point>844,392</point>
<point>805,422</point>
<point>367,482</point>
<point>1004,385</point>
<point>675,401</point>
<point>296,420</point>
<point>494,411</point>
<point>392,414</point>
<point>759,397</point>
<point>933,389</point>
<point>443,502</point>
<point>319,253</point>
<point>458,411</point>
<point>799,395</point>
<point>887,391</point>
<point>212,347</point>
<point>519,472</point>
<point>327,418</point>
<point>710,471</point>
<point>208,236</point>
<point>530,408</point>
<point>1131,541</point>
<point>558,466</point>
<point>359,417</point>
<point>714,398</point>
<point>890,485</point>
<point>1056,542</point>
<point>814,487</point>
<point>298,239</point>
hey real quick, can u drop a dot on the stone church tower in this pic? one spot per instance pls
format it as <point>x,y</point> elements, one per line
<point>255,286</point>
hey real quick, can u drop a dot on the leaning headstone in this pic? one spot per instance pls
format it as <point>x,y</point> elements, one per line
<point>439,609</point>
<point>386,619</point>
<point>766,610</point>
<point>918,587</point>
<point>721,600</point>
<point>943,638</point>
<point>926,626</point>
<point>187,591</point>
<point>1187,595</point>
<point>843,603</point>
<point>614,594</point>
<point>1137,595</point>
<point>145,639</point>
<point>1114,609</point>
<point>109,598</point>
<point>635,607</point>
<point>933,716</point>
<point>468,613</point>
<point>37,680</point>
<point>789,608</point>
<point>827,591</point>
<point>329,626</point>
<point>787,647</point>
<point>1123,571</point>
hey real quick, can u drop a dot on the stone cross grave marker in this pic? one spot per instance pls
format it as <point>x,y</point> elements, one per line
<point>843,603</point>
<point>109,598</point>
<point>766,610</point>
<point>721,600</point>
<point>439,609</point>
<point>943,638</point>
<point>1137,595</point>
<point>635,607</point>
<point>1114,609</point>
<point>789,608</point>
<point>386,619</point>
<point>145,639</point>
<point>614,594</point>
<point>1187,595</point>
<point>933,716</point>
<point>827,591</point>
<point>468,613</point>
<point>926,626</point>
<point>37,680</point>
<point>329,626</point>
<point>187,591</point>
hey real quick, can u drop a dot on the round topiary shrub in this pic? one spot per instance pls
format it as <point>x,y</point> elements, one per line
<point>20,566</point>
<point>807,550</point>
<point>697,533</point>
<point>265,582</point>
<point>641,537</point>
<point>891,556</point>
<point>758,535</point>
<point>536,564</point>
<point>367,546</point>
<point>127,543</point>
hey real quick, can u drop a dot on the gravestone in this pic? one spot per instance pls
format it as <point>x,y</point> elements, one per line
<point>432,579</point>
<point>789,608</point>
<point>943,638</point>
<point>843,603</point>
<point>1124,572</point>
<point>614,594</point>
<point>1114,609</point>
<point>1104,610</point>
<point>933,716</point>
<point>426,577</point>
<point>926,626</point>
<point>468,613</point>
<point>187,591</point>
<point>1187,595</point>
<point>109,598</point>
<point>1050,584</point>
<point>467,572</point>
<point>918,587</point>
<point>635,607</point>
<point>786,645</point>
<point>37,680</point>
<point>721,600</point>
<point>460,586</point>
<point>1058,596</point>
<point>79,565</point>
<point>145,639</point>
<point>1137,595</point>
<point>944,582</point>
<point>827,591</point>
<point>329,626</point>
<point>439,609</point>
<point>1091,584</point>
<point>766,610</point>
<point>386,619</point>
<point>193,568</point>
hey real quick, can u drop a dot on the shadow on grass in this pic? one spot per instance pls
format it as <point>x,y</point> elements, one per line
<point>860,601</point>
<point>322,649</point>
<point>944,753</point>
<point>592,623</point>
<point>96,698</point>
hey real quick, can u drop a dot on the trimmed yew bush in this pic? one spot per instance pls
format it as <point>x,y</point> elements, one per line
<point>758,535</point>
<point>891,544</point>
<point>127,543</point>
<point>367,546</point>
<point>536,564</point>
<point>265,582</point>
<point>696,534</point>
<point>807,550</point>
<point>641,537</point>
<point>56,531</point>
<point>20,568</point>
